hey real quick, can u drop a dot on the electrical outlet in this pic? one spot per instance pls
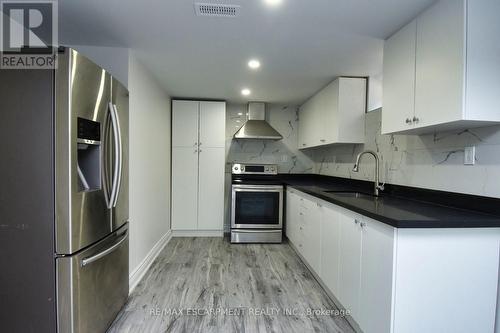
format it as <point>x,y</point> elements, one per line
<point>470,155</point>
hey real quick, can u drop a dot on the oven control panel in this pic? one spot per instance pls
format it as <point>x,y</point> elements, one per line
<point>254,169</point>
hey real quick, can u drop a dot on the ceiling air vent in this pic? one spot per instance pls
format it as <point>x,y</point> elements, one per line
<point>219,10</point>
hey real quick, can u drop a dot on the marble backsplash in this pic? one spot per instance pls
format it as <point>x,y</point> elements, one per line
<point>434,161</point>
<point>284,152</point>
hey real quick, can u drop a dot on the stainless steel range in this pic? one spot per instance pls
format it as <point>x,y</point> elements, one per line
<point>257,204</point>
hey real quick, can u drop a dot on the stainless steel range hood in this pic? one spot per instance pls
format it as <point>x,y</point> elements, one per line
<point>256,127</point>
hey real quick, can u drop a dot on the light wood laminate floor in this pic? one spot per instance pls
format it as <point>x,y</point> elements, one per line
<point>194,280</point>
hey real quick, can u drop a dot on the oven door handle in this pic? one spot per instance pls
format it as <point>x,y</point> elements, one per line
<point>238,188</point>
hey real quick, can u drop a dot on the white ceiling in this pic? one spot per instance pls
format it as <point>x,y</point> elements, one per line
<point>302,44</point>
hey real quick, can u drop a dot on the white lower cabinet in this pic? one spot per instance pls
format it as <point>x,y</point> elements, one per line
<point>185,200</point>
<point>292,216</point>
<point>398,280</point>
<point>210,183</point>
<point>310,232</point>
<point>375,294</point>
<point>330,248</point>
<point>350,263</point>
<point>350,253</point>
<point>301,228</point>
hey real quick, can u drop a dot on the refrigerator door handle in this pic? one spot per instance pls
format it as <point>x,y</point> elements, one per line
<point>88,260</point>
<point>105,175</point>
<point>119,159</point>
<point>118,155</point>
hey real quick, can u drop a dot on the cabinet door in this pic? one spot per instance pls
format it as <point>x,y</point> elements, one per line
<point>292,217</point>
<point>312,235</point>
<point>184,188</point>
<point>440,61</point>
<point>399,80</point>
<point>328,117</point>
<point>330,248</point>
<point>304,126</point>
<point>351,110</point>
<point>211,189</point>
<point>212,124</point>
<point>376,277</point>
<point>185,123</point>
<point>350,262</point>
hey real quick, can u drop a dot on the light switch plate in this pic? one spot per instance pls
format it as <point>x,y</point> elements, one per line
<point>470,155</point>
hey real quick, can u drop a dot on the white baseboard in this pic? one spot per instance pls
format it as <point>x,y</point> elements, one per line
<point>138,273</point>
<point>197,233</point>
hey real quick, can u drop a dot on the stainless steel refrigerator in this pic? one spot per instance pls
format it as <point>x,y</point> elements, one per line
<point>63,197</point>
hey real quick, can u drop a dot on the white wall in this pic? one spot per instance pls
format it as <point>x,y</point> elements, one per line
<point>150,147</point>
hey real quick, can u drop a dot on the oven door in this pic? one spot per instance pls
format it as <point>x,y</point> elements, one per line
<point>257,207</point>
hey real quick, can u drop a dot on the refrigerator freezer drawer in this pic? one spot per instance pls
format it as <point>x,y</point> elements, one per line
<point>92,285</point>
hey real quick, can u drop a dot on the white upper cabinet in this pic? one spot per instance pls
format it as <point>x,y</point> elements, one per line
<point>212,124</point>
<point>440,64</point>
<point>336,114</point>
<point>440,71</point>
<point>399,80</point>
<point>185,123</point>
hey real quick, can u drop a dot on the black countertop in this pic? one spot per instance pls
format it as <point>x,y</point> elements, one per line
<point>402,207</point>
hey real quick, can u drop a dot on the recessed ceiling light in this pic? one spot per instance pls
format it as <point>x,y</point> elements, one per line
<point>254,64</point>
<point>245,92</point>
<point>240,113</point>
<point>273,2</point>
<point>238,121</point>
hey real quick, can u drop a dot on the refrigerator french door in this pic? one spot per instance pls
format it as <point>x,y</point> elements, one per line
<point>64,197</point>
<point>91,194</point>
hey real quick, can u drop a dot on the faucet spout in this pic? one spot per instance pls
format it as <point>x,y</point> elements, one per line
<point>377,186</point>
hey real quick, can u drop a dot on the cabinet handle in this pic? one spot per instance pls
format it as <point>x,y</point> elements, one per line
<point>199,144</point>
<point>362,224</point>
<point>196,150</point>
<point>318,204</point>
<point>301,214</point>
<point>303,144</point>
<point>195,144</point>
<point>356,221</point>
<point>416,120</point>
<point>408,121</point>
<point>200,150</point>
<point>322,140</point>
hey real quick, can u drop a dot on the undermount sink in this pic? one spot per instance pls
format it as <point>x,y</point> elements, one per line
<point>350,194</point>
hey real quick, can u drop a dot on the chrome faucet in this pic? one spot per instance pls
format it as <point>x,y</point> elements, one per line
<point>377,186</point>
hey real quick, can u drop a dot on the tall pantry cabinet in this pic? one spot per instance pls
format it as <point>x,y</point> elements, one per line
<point>198,161</point>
